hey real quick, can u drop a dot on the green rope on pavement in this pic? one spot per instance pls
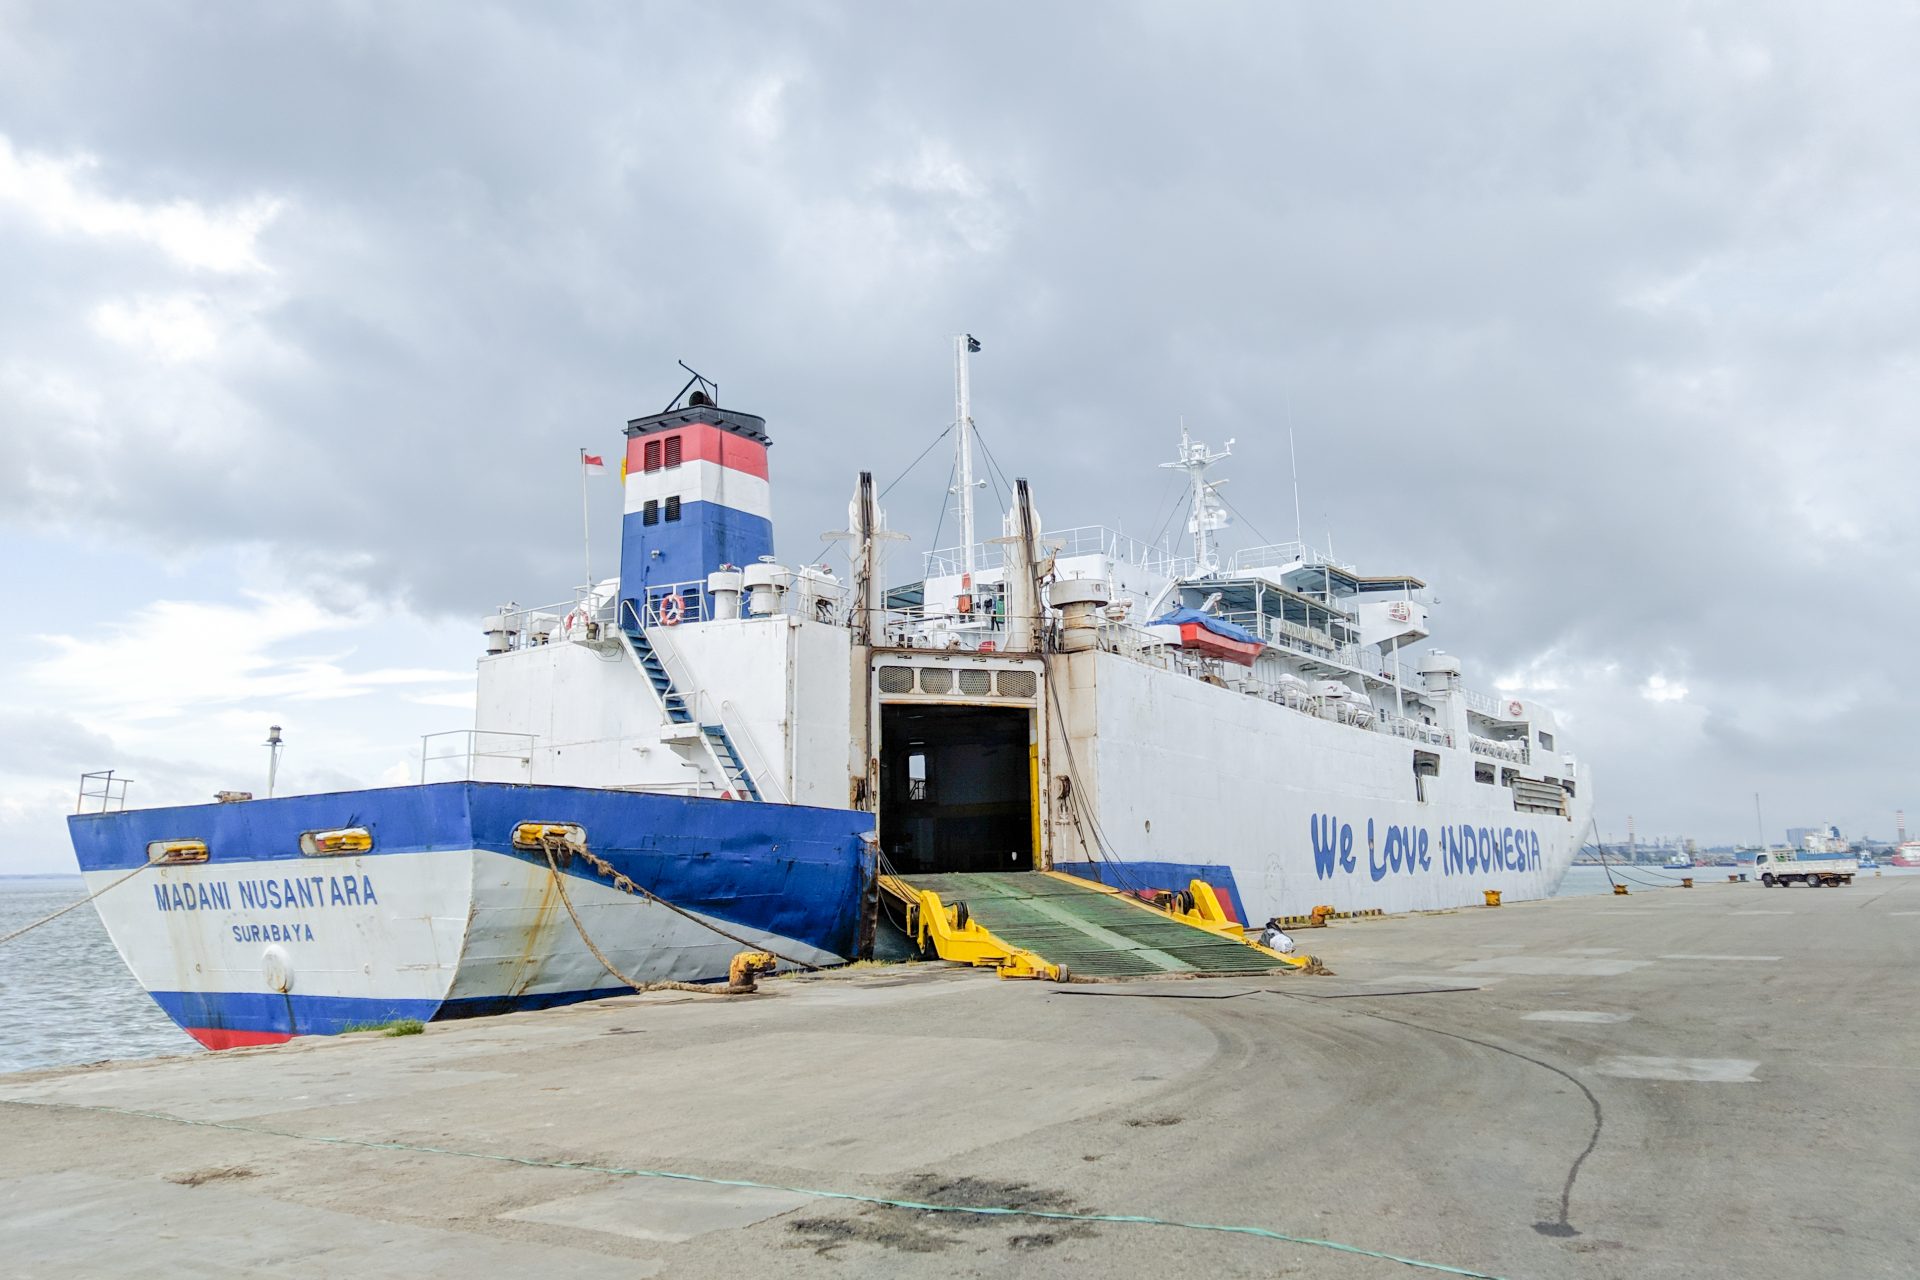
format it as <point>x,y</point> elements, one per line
<point>1003,1211</point>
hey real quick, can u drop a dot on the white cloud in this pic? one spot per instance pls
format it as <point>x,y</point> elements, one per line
<point>464,700</point>
<point>174,329</point>
<point>176,656</point>
<point>1660,689</point>
<point>761,112</point>
<point>61,196</point>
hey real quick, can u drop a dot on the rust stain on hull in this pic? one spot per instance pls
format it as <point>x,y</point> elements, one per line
<point>533,943</point>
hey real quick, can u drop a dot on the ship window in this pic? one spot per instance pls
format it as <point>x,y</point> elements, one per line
<point>1483,773</point>
<point>673,507</point>
<point>936,680</point>
<point>651,513</point>
<point>1546,742</point>
<point>896,680</point>
<point>917,776</point>
<point>652,456</point>
<point>673,451</point>
<point>976,683</point>
<point>1507,777</point>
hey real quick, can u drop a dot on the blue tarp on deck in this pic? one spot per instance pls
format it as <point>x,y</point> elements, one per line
<point>1218,626</point>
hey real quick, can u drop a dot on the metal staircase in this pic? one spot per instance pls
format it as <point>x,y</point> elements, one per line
<point>719,743</point>
<point>671,700</point>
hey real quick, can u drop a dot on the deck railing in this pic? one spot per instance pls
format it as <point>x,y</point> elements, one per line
<point>477,755</point>
<point>1083,540</point>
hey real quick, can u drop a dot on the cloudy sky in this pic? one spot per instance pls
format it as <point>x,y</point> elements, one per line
<point>1603,323</point>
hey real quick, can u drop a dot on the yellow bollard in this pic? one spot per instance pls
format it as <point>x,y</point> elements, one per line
<point>1493,897</point>
<point>1686,882</point>
<point>745,967</point>
<point>1620,890</point>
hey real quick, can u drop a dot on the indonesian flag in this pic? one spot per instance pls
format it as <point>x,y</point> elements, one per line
<point>595,465</point>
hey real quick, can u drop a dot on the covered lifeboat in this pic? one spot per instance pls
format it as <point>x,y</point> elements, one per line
<point>1204,633</point>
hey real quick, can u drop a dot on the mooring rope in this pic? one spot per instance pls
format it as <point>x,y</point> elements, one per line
<point>552,846</point>
<point>29,928</point>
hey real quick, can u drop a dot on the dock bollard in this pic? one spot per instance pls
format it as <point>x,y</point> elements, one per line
<point>1620,890</point>
<point>1686,882</point>
<point>1733,879</point>
<point>1493,897</point>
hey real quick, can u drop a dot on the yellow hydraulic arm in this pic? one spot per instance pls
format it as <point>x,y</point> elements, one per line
<point>957,938</point>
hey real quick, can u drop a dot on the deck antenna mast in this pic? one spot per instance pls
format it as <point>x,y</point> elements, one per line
<point>1293,459</point>
<point>964,345</point>
<point>1209,513</point>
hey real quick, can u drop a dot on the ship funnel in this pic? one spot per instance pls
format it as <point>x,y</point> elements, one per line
<point>697,501</point>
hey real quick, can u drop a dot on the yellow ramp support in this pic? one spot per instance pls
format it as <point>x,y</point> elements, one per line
<point>1048,924</point>
<point>957,938</point>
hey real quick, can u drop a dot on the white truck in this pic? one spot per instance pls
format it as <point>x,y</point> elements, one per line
<point>1783,867</point>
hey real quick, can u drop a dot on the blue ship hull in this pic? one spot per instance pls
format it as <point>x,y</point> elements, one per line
<point>444,917</point>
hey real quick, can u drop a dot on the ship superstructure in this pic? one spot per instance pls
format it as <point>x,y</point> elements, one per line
<point>1043,698</point>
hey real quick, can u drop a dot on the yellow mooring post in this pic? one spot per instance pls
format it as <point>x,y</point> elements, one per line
<point>1620,890</point>
<point>1686,882</point>
<point>1493,897</point>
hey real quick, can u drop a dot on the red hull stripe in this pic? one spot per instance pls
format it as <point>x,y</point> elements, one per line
<point>703,443</point>
<point>222,1038</point>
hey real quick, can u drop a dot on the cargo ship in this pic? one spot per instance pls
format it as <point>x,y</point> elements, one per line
<point>756,744</point>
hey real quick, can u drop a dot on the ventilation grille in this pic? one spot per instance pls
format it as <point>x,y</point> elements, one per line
<point>1530,796</point>
<point>1016,684</point>
<point>941,682</point>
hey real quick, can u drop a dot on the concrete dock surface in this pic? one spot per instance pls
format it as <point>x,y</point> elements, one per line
<point>1709,1082</point>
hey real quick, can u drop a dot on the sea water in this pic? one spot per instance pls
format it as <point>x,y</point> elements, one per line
<point>65,995</point>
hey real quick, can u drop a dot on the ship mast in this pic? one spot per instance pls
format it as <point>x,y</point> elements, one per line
<point>1209,513</point>
<point>964,345</point>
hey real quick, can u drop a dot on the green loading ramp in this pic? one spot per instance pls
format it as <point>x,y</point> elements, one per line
<point>1026,923</point>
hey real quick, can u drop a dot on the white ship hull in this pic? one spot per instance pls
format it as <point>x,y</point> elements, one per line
<point>1304,810</point>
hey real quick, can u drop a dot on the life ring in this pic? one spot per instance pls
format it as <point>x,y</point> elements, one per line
<point>1514,709</point>
<point>671,610</point>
